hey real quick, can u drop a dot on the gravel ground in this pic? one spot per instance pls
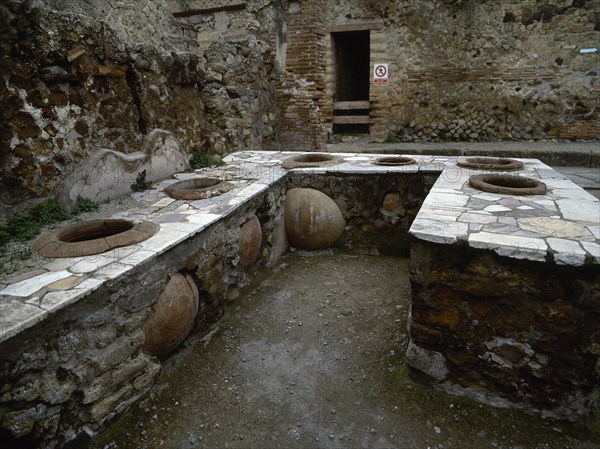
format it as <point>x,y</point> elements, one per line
<point>312,356</point>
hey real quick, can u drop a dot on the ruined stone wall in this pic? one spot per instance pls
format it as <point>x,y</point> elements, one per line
<point>505,332</point>
<point>481,70</point>
<point>61,380</point>
<point>80,77</point>
<point>234,40</point>
<point>99,86</point>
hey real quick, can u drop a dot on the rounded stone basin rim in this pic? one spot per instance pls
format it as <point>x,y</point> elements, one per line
<point>308,160</point>
<point>198,188</point>
<point>507,184</point>
<point>92,237</point>
<point>394,161</point>
<point>489,163</point>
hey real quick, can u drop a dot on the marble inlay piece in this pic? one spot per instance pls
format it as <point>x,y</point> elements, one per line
<point>494,208</point>
<point>439,232</point>
<point>567,252</point>
<point>554,227</point>
<point>29,286</point>
<point>112,271</point>
<point>163,240</point>
<point>593,249</point>
<point>56,300</point>
<point>510,245</point>
<point>573,210</point>
<point>90,264</point>
<point>16,317</point>
<point>472,217</point>
<point>446,199</point>
<point>163,202</point>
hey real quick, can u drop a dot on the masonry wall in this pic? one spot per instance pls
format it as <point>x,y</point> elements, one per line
<point>505,332</point>
<point>464,70</point>
<point>301,80</point>
<point>378,209</point>
<point>87,86</point>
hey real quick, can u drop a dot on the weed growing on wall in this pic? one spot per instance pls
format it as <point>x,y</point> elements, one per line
<point>27,225</point>
<point>84,205</point>
<point>201,160</point>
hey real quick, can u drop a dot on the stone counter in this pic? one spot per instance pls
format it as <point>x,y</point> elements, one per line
<point>506,295</point>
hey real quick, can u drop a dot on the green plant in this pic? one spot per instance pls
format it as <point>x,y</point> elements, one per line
<point>4,236</point>
<point>84,205</point>
<point>201,160</point>
<point>22,226</point>
<point>27,225</point>
<point>48,212</point>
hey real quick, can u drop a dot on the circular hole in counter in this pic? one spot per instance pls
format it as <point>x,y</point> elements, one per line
<point>307,160</point>
<point>395,161</point>
<point>507,184</point>
<point>489,163</point>
<point>91,237</point>
<point>198,188</point>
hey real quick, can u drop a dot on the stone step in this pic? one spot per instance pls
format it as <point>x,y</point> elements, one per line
<point>555,154</point>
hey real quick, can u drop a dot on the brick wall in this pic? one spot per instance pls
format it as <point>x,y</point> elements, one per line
<point>301,87</point>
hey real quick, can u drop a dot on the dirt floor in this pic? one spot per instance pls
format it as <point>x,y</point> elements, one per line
<point>312,356</point>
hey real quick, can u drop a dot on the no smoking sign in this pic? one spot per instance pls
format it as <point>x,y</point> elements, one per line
<point>380,74</point>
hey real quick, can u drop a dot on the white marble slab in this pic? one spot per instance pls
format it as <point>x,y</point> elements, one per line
<point>15,317</point>
<point>567,252</point>
<point>28,287</point>
<point>510,245</point>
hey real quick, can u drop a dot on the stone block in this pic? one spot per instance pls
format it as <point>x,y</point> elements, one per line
<point>97,389</point>
<point>120,350</point>
<point>146,380</point>
<point>128,370</point>
<point>26,389</point>
<point>106,406</point>
<point>20,423</point>
<point>103,336</point>
<point>55,391</point>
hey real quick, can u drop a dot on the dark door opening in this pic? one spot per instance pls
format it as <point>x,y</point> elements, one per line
<point>352,75</point>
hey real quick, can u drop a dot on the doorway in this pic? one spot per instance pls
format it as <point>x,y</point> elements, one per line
<point>352,75</point>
